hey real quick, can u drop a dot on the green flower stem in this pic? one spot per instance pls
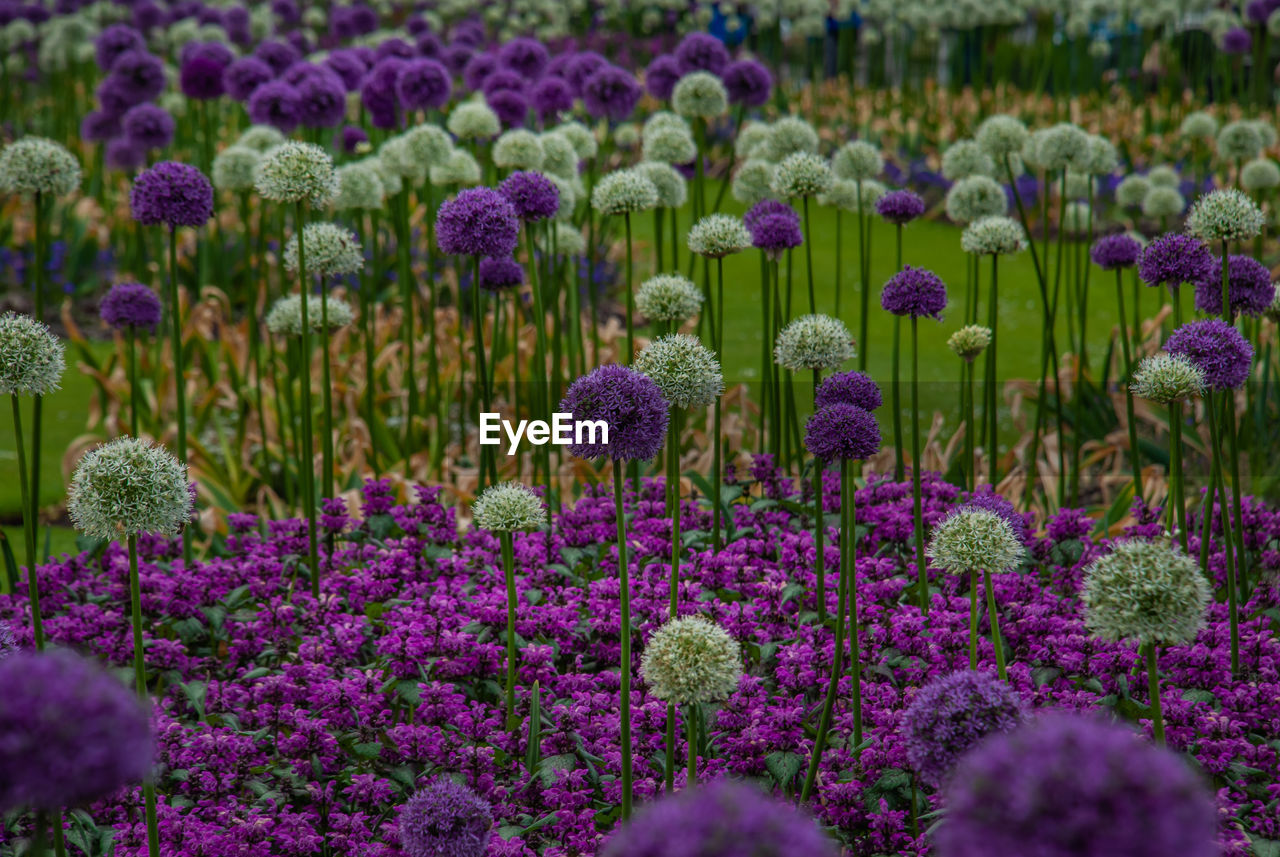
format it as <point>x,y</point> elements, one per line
<point>625,632</point>
<point>32,506</point>
<point>819,539</point>
<point>253,319</point>
<point>1153,693</point>
<point>131,345</point>
<point>39,844</point>
<point>1128,393</point>
<point>541,387</point>
<point>993,383</point>
<point>895,400</point>
<point>482,371</point>
<point>864,274</point>
<point>839,257</point>
<point>808,258</point>
<point>140,683</point>
<point>995,625</point>
<point>179,374</point>
<point>59,836</point>
<point>1220,485</point>
<point>778,429</point>
<point>506,540</point>
<point>1177,501</point>
<point>716,450</point>
<point>767,425</point>
<point>628,287</point>
<point>399,209</point>
<point>967,397</point>
<point>28,527</point>
<point>433,299</point>
<point>657,240</point>
<point>326,399</point>
<point>691,737</point>
<point>916,468</point>
<point>973,618</point>
<point>1229,425</point>
<point>307,464</point>
<point>673,506</point>
<point>367,281</point>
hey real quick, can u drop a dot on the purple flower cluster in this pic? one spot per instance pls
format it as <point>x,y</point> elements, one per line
<point>498,273</point>
<point>851,388</point>
<point>1112,252</point>
<point>1174,259</point>
<point>477,222</point>
<point>173,194</point>
<point>533,195</point>
<point>900,206</point>
<point>841,431</point>
<point>131,305</point>
<point>1222,353</point>
<point>1249,288</point>
<point>951,715</point>
<point>445,819</point>
<point>916,292</point>
<point>629,403</point>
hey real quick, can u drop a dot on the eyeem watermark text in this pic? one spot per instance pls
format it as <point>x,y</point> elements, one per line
<point>562,430</point>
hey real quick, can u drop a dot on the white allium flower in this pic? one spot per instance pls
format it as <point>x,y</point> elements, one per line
<point>508,507</point>
<point>852,196</point>
<point>994,236</point>
<point>331,250</point>
<point>965,158</point>
<point>1199,125</point>
<point>261,138</point>
<point>1077,218</point>
<point>1147,591</point>
<point>971,539</point>
<point>700,94</point>
<point>753,181</point>
<point>518,149</point>
<point>32,358</point>
<point>801,174</point>
<point>234,168</point>
<point>566,240</point>
<point>34,165</point>
<point>460,168</point>
<point>626,136</point>
<point>560,158</point>
<point>670,298</point>
<point>392,184</point>
<point>1002,135</point>
<point>1102,158</point>
<point>718,235</point>
<point>1163,175</point>
<point>668,145</point>
<point>583,140</point>
<point>1259,174</point>
<point>359,188</point>
<point>691,659</point>
<point>473,120</point>
<point>1239,141</point>
<point>1132,190</point>
<point>752,136</point>
<point>974,198</point>
<point>127,487</point>
<point>969,341</point>
<point>1161,202</point>
<point>661,119</point>
<point>673,190</point>
<point>786,135</point>
<point>285,316</point>
<point>813,342</point>
<point>685,370</point>
<point>1064,145</point>
<point>297,172</point>
<point>857,160</point>
<point>1225,215</point>
<point>622,192</point>
<point>1165,378</point>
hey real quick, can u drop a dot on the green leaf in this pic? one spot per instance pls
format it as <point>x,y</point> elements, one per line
<point>1040,676</point>
<point>195,692</point>
<point>782,766</point>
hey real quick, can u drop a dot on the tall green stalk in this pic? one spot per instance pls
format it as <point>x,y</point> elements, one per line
<point>1127,352</point>
<point>895,384</point>
<point>916,467</point>
<point>31,508</point>
<point>28,526</point>
<point>1177,501</point>
<point>624,598</point>
<point>995,625</point>
<point>307,464</point>
<point>140,683</point>
<point>631,297</point>
<point>973,618</point>
<point>717,466</point>
<point>179,371</point>
<point>1153,693</point>
<point>808,258</point>
<point>993,383</point>
<point>131,345</point>
<point>506,541</point>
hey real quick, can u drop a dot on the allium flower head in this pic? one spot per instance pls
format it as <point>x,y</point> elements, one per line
<point>1163,175</point>
<point>994,236</point>
<point>1239,141</point>
<point>73,733</point>
<point>801,174</point>
<point>423,84</point>
<point>951,715</point>
<point>670,298</point>
<point>260,138</point>
<point>173,194</point>
<point>842,432</point>
<point>1249,288</point>
<point>702,52</point>
<point>31,356</point>
<point>786,135</point>
<point>611,93</point>
<point>673,190</point>
<point>857,160</point>
<point>753,181</point>
<point>426,145</point>
<point>1077,219</point>
<point>234,168</point>
<point>34,165</point>
<point>1259,174</point>
<point>473,120</point>
<point>974,539</point>
<point>583,140</point>
<point>559,158</point>
<point>445,819</point>
<point>974,198</point>
<point>1166,378</point>
<point>1132,190</point>
<point>813,342</point>
<point>629,403</point>
<point>1064,145</point>
<point>752,139</point>
<point>500,272</point>
<point>1199,125</point>
<point>1002,135</point>
<point>331,250</point>
<point>285,316</point>
<point>1112,252</point>
<point>965,158</point>
<point>532,194</point>
<point>1174,259</point>
<point>691,659</point>
<point>900,206</point>
<point>1145,590</point>
<point>719,819</point>
<point>297,172</point>
<point>915,292</point>
<point>1101,158</point>
<point>776,232</point>
<point>685,370</point>
<point>8,643</point>
<point>1163,202</point>
<point>359,188</point>
<point>661,76</point>
<point>131,305</point>
<point>148,126</point>
<point>126,487</point>
<point>1217,349</point>
<point>851,388</point>
<point>477,222</point>
<point>851,196</point>
<point>518,149</point>
<point>718,235</point>
<point>508,507</point>
<point>748,83</point>
<point>987,499</point>
<point>700,94</point>
<point>1225,215</point>
<point>970,341</point>
<point>460,168</point>
<point>1075,785</point>
<point>668,144</point>
<point>623,192</point>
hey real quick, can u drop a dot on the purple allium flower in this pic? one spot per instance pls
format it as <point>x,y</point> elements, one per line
<point>533,195</point>
<point>765,208</point>
<point>774,233</point>
<point>445,819</point>
<point>8,644</point>
<point>1249,288</point>
<point>611,92</point>
<point>124,155</point>
<point>147,15</point>
<point>455,57</point>
<point>900,206</point>
<point>216,51</point>
<point>951,714</point>
<point>661,76</point>
<point>701,52</point>
<point>322,99</point>
<point>350,138</point>
<point>201,77</point>
<point>915,292</point>
<point>500,272</point>
<point>278,55</point>
<point>842,431</point>
<point>477,222</point>
<point>1223,355</point>
<point>1257,11</point>
<point>148,126</point>
<point>510,105</point>
<point>852,388</point>
<point>748,83</point>
<point>1174,259</point>
<point>99,125</point>
<point>550,97</point>
<point>423,84</point>
<point>136,76</point>
<point>286,10</point>
<point>244,76</point>
<point>235,21</point>
<point>501,79</point>
<point>428,46</point>
<point>114,41</point>
<point>277,104</point>
<point>631,406</point>
<point>378,92</point>
<point>723,818</point>
<point>72,733</point>
<point>1111,252</point>
<point>986,498</point>
<point>1236,41</point>
<point>347,65</point>
<point>527,57</point>
<point>171,193</point>
<point>478,68</point>
<point>581,66</point>
<point>395,47</point>
<point>1066,785</point>
<point>131,305</point>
